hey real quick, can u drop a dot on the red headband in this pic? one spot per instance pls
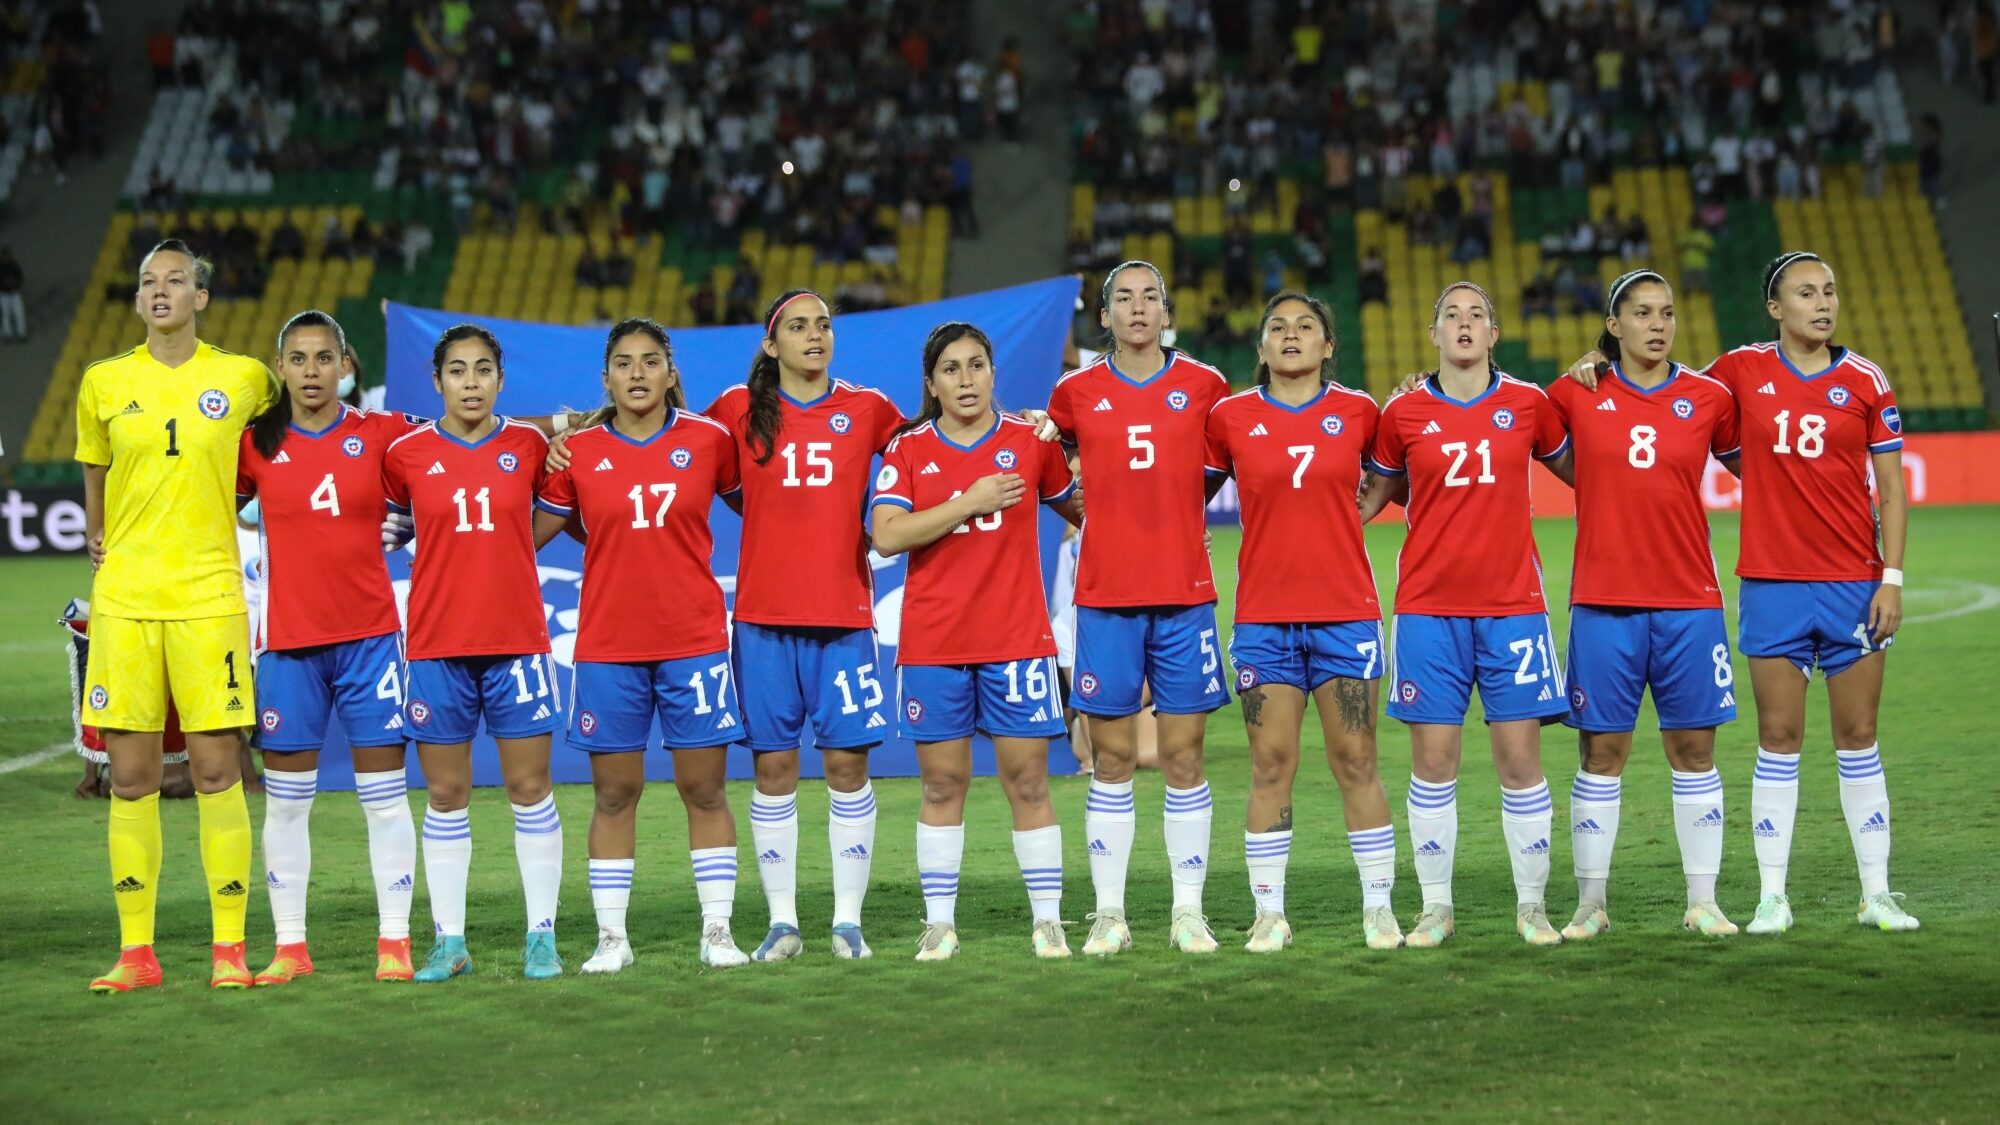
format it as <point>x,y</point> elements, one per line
<point>782,305</point>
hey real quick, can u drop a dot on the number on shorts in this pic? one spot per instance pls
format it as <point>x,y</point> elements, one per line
<point>1528,648</point>
<point>1725,674</point>
<point>1372,650</point>
<point>1210,661</point>
<point>1642,455</point>
<point>720,674</point>
<point>229,662</point>
<point>1457,449</point>
<point>390,686</point>
<point>1037,680</point>
<point>1860,634</point>
<point>1812,434</point>
<point>1305,455</point>
<point>521,694</point>
<point>871,689</point>
<point>1141,447</point>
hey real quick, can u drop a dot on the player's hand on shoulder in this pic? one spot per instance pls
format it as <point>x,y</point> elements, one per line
<point>995,493</point>
<point>1410,383</point>
<point>1045,427</point>
<point>1590,369</point>
<point>558,459</point>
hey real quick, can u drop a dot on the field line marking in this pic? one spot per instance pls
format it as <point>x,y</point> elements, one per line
<point>35,759</point>
<point>1989,598</point>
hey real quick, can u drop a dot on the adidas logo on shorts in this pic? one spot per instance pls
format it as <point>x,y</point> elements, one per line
<point>235,704</point>
<point>542,712</point>
<point>1041,715</point>
<point>1546,695</point>
<point>725,722</point>
<point>876,720</point>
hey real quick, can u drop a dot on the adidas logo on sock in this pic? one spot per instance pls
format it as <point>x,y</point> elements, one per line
<point>1433,428</point>
<point>1710,819</point>
<point>603,466</point>
<point>1431,847</point>
<point>436,469</point>
<point>271,880</point>
<point>545,926</point>
<point>1765,829</point>
<point>1102,404</point>
<point>1587,826</point>
<point>131,408</point>
<point>929,468</point>
<point>876,720</point>
<point>1259,431</point>
<point>1191,863</point>
<point>1768,389</point>
<point>542,712</point>
<point>1876,823</point>
<point>1607,404</point>
<point>1539,847</point>
<point>283,458</point>
<point>1545,696</point>
<point>1096,848</point>
<point>855,851</point>
<point>770,855</point>
<point>128,883</point>
<point>404,884</point>
<point>233,888</point>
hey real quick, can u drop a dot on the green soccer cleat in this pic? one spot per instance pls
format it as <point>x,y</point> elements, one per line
<point>1049,942</point>
<point>938,943</point>
<point>1189,932</point>
<point>1108,934</point>
<point>1590,921</point>
<point>1774,915</point>
<point>1706,918</point>
<point>1885,912</point>
<point>448,958</point>
<point>1432,927</point>
<point>1269,933</point>
<point>1379,928</point>
<point>538,957</point>
<point>1531,921</point>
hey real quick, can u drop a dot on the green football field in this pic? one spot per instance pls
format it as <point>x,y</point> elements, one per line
<point>1646,1022</point>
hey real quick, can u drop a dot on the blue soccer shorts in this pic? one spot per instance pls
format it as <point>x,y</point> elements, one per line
<point>361,681</point>
<point>517,696</point>
<point>789,675</point>
<point>1005,699</point>
<point>612,706</point>
<point>1811,624</point>
<point>1616,653</point>
<point>1306,656</point>
<point>1172,649</point>
<point>1438,660</point>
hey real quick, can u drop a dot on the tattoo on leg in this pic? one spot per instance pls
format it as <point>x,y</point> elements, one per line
<point>1253,707</point>
<point>1284,821</point>
<point>1355,713</point>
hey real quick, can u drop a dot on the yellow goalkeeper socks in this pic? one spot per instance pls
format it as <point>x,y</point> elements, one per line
<point>225,859</point>
<point>135,866</point>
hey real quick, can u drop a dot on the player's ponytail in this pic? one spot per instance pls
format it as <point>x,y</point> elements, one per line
<point>640,326</point>
<point>1614,299</point>
<point>942,337</point>
<point>765,415</point>
<point>267,431</point>
<point>1328,366</point>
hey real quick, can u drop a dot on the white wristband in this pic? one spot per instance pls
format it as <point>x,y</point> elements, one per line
<point>560,422</point>
<point>1891,576</point>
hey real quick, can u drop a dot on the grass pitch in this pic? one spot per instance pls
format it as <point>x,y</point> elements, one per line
<point>1647,1022</point>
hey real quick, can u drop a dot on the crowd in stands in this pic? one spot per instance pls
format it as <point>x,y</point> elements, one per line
<point>60,46</point>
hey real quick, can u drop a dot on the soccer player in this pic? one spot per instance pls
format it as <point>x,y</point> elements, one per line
<point>478,642</point>
<point>1308,622</point>
<point>804,615</point>
<point>651,638</point>
<point>1145,598</point>
<point>330,637</point>
<point>1469,602</point>
<point>1646,606</point>
<point>157,432</point>
<point>976,651</point>
<point>1821,568</point>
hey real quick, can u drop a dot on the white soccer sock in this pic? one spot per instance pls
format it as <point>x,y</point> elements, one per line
<point>774,831</point>
<point>1433,810</point>
<point>538,849</point>
<point>1698,823</point>
<point>940,852</point>
<point>288,856</point>
<point>1593,831</point>
<point>1110,822</point>
<point>611,892</point>
<point>1774,805</point>
<point>1190,820</point>
<point>1265,854</point>
<point>714,882</point>
<point>1527,818</point>
<point>392,846</point>
<point>1375,858</point>
<point>850,833</point>
<point>1039,853</point>
<point>1864,797</point>
<point>447,863</point>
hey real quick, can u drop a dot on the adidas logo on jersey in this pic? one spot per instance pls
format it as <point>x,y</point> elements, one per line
<point>1433,428</point>
<point>1259,431</point>
<point>1607,404</point>
<point>542,712</point>
<point>131,408</point>
<point>1102,404</point>
<point>1768,389</point>
<point>603,466</point>
<point>283,458</point>
<point>876,720</point>
<point>436,469</point>
<point>929,468</point>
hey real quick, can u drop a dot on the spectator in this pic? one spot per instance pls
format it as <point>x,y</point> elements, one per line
<point>288,243</point>
<point>1538,296</point>
<point>589,272</point>
<point>1930,159</point>
<point>416,242</point>
<point>1985,47</point>
<point>1695,244</point>
<point>1373,279</point>
<point>1237,262</point>
<point>1007,104</point>
<point>13,306</point>
<point>333,240</point>
<point>1872,159</point>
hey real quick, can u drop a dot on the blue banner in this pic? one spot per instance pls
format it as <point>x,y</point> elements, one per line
<point>550,368</point>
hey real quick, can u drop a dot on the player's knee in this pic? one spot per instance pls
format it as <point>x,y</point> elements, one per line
<point>1274,770</point>
<point>619,798</point>
<point>450,796</point>
<point>528,790</point>
<point>945,786</point>
<point>1780,736</point>
<point>846,772</point>
<point>1354,766</point>
<point>1602,760</point>
<point>136,789</point>
<point>777,773</point>
<point>1854,733</point>
<point>700,796</point>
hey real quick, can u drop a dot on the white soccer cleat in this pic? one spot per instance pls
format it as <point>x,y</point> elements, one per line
<point>782,944</point>
<point>1269,933</point>
<point>1189,932</point>
<point>1379,928</point>
<point>1108,934</point>
<point>613,953</point>
<point>847,943</point>
<point>1707,919</point>
<point>1531,921</point>
<point>1774,916</point>
<point>1049,941</point>
<point>1885,912</point>
<point>718,947</point>
<point>1590,921</point>
<point>938,943</point>
<point>1432,927</point>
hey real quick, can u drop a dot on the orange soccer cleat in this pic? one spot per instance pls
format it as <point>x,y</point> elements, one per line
<point>136,968</point>
<point>392,959</point>
<point>289,962</point>
<point>230,970</point>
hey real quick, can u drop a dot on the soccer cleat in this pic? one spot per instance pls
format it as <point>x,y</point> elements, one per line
<point>1885,913</point>
<point>1707,918</point>
<point>1774,916</point>
<point>228,969</point>
<point>1590,921</point>
<point>538,957</point>
<point>448,958</point>
<point>938,943</point>
<point>847,943</point>
<point>290,961</point>
<point>135,968</point>
<point>613,953</point>
<point>782,944</point>
<point>392,959</point>
<point>1269,933</point>
<point>1108,934</point>
<point>1379,928</point>
<point>1049,941</point>
<point>718,947</point>
<point>1531,921</point>
<point>1189,932</point>
<point>1431,928</point>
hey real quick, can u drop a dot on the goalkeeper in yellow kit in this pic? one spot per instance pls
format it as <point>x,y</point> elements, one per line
<point>158,429</point>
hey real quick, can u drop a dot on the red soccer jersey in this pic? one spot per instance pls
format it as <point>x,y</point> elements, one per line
<point>1641,528</point>
<point>1142,443</point>
<point>324,578</point>
<point>648,591</point>
<point>1471,547</point>
<point>804,558</point>
<point>975,596</point>
<point>1807,440</point>
<point>474,589</point>
<point>1297,471</point>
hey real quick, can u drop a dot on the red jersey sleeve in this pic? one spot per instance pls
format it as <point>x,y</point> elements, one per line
<point>1060,412</point>
<point>1885,422</point>
<point>1058,483</point>
<point>728,466</point>
<point>1216,459</point>
<point>1386,454</point>
<point>1727,439</point>
<point>395,489</point>
<point>1560,393</point>
<point>557,495</point>
<point>1551,434</point>
<point>888,419</point>
<point>246,482</point>
<point>892,482</point>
